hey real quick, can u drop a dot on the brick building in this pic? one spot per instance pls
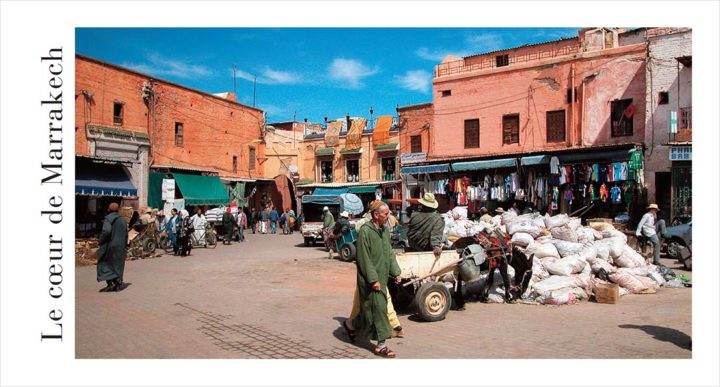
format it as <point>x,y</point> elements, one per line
<point>668,157</point>
<point>153,129</point>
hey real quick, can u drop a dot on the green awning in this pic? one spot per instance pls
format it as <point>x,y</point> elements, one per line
<point>201,190</point>
<point>346,151</point>
<point>362,189</point>
<point>324,151</point>
<point>387,147</point>
<point>483,164</point>
<point>535,160</point>
<point>155,190</point>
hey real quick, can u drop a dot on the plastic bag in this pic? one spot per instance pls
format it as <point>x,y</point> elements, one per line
<point>569,265</point>
<point>556,221</point>
<point>657,277</point>
<point>567,248</point>
<point>522,239</point>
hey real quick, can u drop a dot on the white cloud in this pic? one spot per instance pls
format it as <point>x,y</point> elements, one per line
<point>269,76</point>
<point>350,71</point>
<point>415,80</point>
<point>160,66</point>
<point>438,55</point>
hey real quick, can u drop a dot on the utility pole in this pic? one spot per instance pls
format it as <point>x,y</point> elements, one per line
<point>234,80</point>
<point>254,89</point>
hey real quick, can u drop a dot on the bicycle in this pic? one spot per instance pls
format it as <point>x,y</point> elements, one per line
<point>208,235</point>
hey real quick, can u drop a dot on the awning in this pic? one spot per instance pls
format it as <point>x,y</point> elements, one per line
<point>99,179</point>
<point>483,164</point>
<point>330,191</point>
<point>435,168</point>
<point>362,189</point>
<point>393,146</point>
<point>322,199</point>
<point>155,189</point>
<point>355,151</point>
<point>201,190</point>
<point>535,160</point>
<point>324,151</point>
<point>606,156</point>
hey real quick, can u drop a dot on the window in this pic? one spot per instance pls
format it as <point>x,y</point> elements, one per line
<point>556,126</point>
<point>179,134</point>
<point>118,113</point>
<point>251,158</point>
<point>388,168</point>
<point>663,98</point>
<point>472,133</point>
<point>568,97</point>
<point>352,170</point>
<point>511,129</point>
<point>621,117</point>
<point>502,60</point>
<point>326,171</point>
<point>415,144</point>
<point>234,164</point>
<point>446,93</point>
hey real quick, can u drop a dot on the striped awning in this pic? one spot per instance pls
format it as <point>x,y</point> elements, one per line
<point>100,179</point>
<point>435,168</point>
<point>483,164</point>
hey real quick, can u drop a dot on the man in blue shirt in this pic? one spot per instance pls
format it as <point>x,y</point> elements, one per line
<point>273,220</point>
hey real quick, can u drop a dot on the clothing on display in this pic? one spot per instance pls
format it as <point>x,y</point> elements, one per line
<point>615,194</point>
<point>603,192</point>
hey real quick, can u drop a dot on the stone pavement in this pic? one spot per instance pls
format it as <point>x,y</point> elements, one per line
<point>270,297</point>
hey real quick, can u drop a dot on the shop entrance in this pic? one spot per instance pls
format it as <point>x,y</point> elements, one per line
<point>663,184</point>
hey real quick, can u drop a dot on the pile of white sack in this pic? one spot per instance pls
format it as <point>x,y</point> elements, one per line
<point>567,255</point>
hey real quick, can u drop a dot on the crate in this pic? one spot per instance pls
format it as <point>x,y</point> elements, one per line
<point>606,293</point>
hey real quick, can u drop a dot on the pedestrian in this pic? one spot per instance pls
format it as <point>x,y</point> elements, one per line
<point>264,218</point>
<point>111,253</point>
<point>228,225</point>
<point>497,219</point>
<point>171,228</point>
<point>274,217</point>
<point>253,218</point>
<point>328,223</point>
<point>650,227</point>
<point>241,223</point>
<point>375,264</point>
<point>292,220</point>
<point>198,222</point>
<point>425,232</point>
<point>184,232</point>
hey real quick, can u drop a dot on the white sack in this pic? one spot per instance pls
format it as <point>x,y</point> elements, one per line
<point>601,226</point>
<point>564,233</point>
<point>589,253</point>
<point>603,251</point>
<point>639,271</point>
<point>574,223</point>
<point>546,250</point>
<point>538,269</point>
<point>628,281</point>
<point>614,234</point>
<point>634,255</point>
<point>556,221</point>
<point>602,264</point>
<point>459,213</point>
<point>563,296</point>
<point>567,248</point>
<point>569,265</point>
<point>508,217</point>
<point>553,282</point>
<point>657,277</point>
<point>522,239</point>
<point>615,246</point>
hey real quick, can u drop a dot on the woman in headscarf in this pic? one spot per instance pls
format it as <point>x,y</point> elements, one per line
<point>228,225</point>
<point>184,233</point>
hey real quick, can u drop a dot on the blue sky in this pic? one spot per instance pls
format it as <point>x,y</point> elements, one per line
<point>307,72</point>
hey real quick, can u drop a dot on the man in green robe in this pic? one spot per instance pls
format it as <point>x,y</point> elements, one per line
<point>425,232</point>
<point>111,253</point>
<point>375,264</point>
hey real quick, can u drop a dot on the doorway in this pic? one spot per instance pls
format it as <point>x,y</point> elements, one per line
<point>663,196</point>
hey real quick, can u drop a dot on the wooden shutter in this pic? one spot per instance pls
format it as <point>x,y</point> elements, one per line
<point>511,129</point>
<point>251,158</point>
<point>472,133</point>
<point>556,126</point>
<point>178,134</point>
<point>415,144</point>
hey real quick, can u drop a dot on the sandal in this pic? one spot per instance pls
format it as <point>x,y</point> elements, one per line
<point>384,352</point>
<point>350,332</point>
<point>399,333</point>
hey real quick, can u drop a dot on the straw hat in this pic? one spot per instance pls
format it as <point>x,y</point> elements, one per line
<point>499,210</point>
<point>428,200</point>
<point>653,207</point>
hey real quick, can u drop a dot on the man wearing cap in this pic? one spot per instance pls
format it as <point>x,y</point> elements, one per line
<point>649,227</point>
<point>485,216</point>
<point>497,219</point>
<point>425,232</point>
<point>111,254</point>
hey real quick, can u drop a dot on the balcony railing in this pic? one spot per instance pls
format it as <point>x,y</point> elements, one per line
<point>458,67</point>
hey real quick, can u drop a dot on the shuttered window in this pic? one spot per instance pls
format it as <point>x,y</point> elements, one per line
<point>556,126</point>
<point>621,117</point>
<point>251,158</point>
<point>179,135</point>
<point>511,129</point>
<point>472,133</point>
<point>415,144</point>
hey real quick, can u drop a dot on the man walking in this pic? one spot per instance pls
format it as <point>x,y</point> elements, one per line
<point>375,263</point>
<point>241,223</point>
<point>253,220</point>
<point>171,228</point>
<point>198,223</point>
<point>264,217</point>
<point>228,225</point>
<point>111,254</point>
<point>274,217</point>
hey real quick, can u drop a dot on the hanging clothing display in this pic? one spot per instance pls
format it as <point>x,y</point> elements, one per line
<point>615,196</point>
<point>554,164</point>
<point>603,192</point>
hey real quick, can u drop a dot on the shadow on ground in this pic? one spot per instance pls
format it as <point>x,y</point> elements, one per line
<point>670,335</point>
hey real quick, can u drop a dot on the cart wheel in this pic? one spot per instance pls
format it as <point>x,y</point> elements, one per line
<point>149,246</point>
<point>307,242</point>
<point>347,252</point>
<point>210,240</point>
<point>433,301</point>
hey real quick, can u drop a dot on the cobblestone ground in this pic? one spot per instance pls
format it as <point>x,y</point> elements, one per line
<point>270,297</point>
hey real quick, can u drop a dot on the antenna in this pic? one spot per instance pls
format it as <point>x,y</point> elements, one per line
<point>234,80</point>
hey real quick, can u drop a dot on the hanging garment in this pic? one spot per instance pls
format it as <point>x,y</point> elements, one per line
<point>563,175</point>
<point>514,182</point>
<point>554,163</point>
<point>569,196</point>
<point>623,171</point>
<point>603,192</point>
<point>588,173</point>
<point>591,192</point>
<point>611,172</point>
<point>629,191</point>
<point>602,176</point>
<point>615,195</point>
<point>596,172</point>
<point>617,171</point>
<point>555,198</point>
<point>636,160</point>
<point>583,189</point>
